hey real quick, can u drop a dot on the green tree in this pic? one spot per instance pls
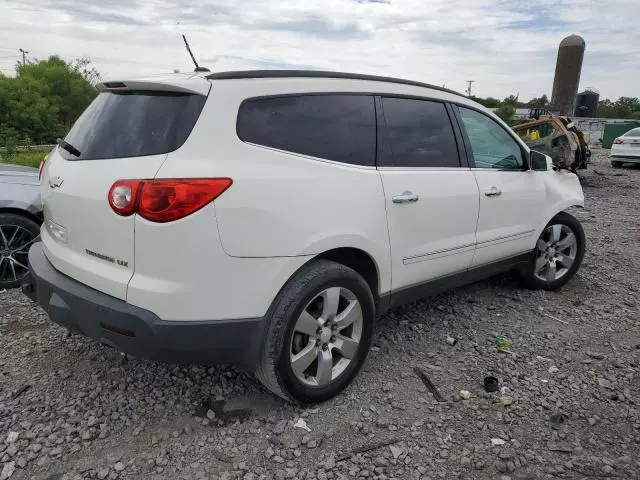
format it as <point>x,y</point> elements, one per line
<point>65,85</point>
<point>27,111</point>
<point>488,102</point>
<point>506,112</point>
<point>43,100</point>
<point>631,103</point>
<point>538,102</point>
<point>512,100</point>
<point>624,107</point>
<point>83,67</point>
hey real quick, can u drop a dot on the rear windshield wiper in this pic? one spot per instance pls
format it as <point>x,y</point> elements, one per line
<point>68,147</point>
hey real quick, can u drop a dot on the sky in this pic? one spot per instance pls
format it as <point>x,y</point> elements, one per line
<point>505,46</point>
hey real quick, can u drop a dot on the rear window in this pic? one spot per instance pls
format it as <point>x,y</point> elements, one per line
<point>334,127</point>
<point>633,133</point>
<point>133,124</point>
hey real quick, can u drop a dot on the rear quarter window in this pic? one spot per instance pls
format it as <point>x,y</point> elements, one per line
<point>133,124</point>
<point>333,127</point>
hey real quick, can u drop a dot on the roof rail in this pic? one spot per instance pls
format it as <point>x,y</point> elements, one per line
<point>320,74</point>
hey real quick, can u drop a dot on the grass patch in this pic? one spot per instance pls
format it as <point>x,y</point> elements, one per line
<point>32,158</point>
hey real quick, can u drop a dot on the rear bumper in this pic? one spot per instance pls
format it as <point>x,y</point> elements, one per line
<point>625,158</point>
<point>137,331</point>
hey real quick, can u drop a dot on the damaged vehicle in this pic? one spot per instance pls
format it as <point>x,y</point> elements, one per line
<point>266,218</point>
<point>557,137</point>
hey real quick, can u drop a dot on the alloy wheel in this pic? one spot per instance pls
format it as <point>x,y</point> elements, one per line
<point>326,337</point>
<point>555,252</point>
<point>14,252</point>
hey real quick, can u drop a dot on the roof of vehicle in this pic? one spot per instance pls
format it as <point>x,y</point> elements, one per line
<point>241,74</point>
<point>634,132</point>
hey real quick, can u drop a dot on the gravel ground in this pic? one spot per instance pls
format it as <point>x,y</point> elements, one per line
<point>71,409</point>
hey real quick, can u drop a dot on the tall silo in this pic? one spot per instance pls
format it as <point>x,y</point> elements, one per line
<point>567,78</point>
<point>587,103</point>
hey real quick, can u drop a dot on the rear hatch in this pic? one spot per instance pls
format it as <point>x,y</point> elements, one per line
<point>126,133</point>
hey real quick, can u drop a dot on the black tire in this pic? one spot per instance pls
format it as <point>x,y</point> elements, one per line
<point>616,163</point>
<point>27,230</point>
<point>275,370</point>
<point>528,274</point>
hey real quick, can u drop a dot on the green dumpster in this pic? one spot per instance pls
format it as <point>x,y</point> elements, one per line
<point>614,130</point>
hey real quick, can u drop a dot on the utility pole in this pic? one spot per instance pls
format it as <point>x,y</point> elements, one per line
<point>469,87</point>
<point>24,61</point>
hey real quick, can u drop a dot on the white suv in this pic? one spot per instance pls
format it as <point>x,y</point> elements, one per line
<point>266,218</point>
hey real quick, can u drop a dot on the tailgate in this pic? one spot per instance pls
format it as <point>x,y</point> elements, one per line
<point>125,133</point>
<point>83,237</point>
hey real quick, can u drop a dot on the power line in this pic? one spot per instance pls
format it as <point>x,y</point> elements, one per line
<point>24,61</point>
<point>469,82</point>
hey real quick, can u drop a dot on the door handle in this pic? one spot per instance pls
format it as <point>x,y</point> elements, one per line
<point>493,192</point>
<point>405,197</point>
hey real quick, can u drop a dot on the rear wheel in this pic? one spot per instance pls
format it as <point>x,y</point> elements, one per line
<point>557,255</point>
<point>319,332</point>
<point>17,233</point>
<point>616,163</point>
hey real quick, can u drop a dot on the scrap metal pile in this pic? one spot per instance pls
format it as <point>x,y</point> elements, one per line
<point>557,137</point>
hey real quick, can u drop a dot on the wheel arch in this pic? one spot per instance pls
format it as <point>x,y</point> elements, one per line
<point>357,260</point>
<point>24,213</point>
<point>561,209</point>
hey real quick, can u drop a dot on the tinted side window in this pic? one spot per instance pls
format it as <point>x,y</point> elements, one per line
<point>492,146</point>
<point>335,127</point>
<point>418,133</point>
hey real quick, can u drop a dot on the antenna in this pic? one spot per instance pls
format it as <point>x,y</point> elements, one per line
<point>198,67</point>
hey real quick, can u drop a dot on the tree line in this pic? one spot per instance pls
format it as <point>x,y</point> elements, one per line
<point>44,99</point>
<point>624,107</point>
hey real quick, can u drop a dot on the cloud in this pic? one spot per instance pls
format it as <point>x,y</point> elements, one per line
<point>89,13</point>
<point>506,46</point>
<point>316,25</point>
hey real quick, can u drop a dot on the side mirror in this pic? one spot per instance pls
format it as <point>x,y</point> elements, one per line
<point>538,161</point>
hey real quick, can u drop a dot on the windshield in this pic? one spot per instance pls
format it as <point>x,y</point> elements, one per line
<point>133,124</point>
<point>633,133</point>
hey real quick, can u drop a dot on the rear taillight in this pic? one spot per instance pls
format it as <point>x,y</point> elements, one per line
<point>165,200</point>
<point>618,141</point>
<point>123,196</point>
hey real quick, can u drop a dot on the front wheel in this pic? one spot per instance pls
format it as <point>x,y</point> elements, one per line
<point>558,254</point>
<point>319,332</point>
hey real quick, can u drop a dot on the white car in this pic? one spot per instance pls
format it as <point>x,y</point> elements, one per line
<point>266,218</point>
<point>626,148</point>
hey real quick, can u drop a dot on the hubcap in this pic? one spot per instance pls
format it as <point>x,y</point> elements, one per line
<point>14,250</point>
<point>326,337</point>
<point>555,252</point>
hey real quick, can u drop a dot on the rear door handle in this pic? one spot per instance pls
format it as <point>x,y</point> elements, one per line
<point>405,197</point>
<point>493,192</point>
